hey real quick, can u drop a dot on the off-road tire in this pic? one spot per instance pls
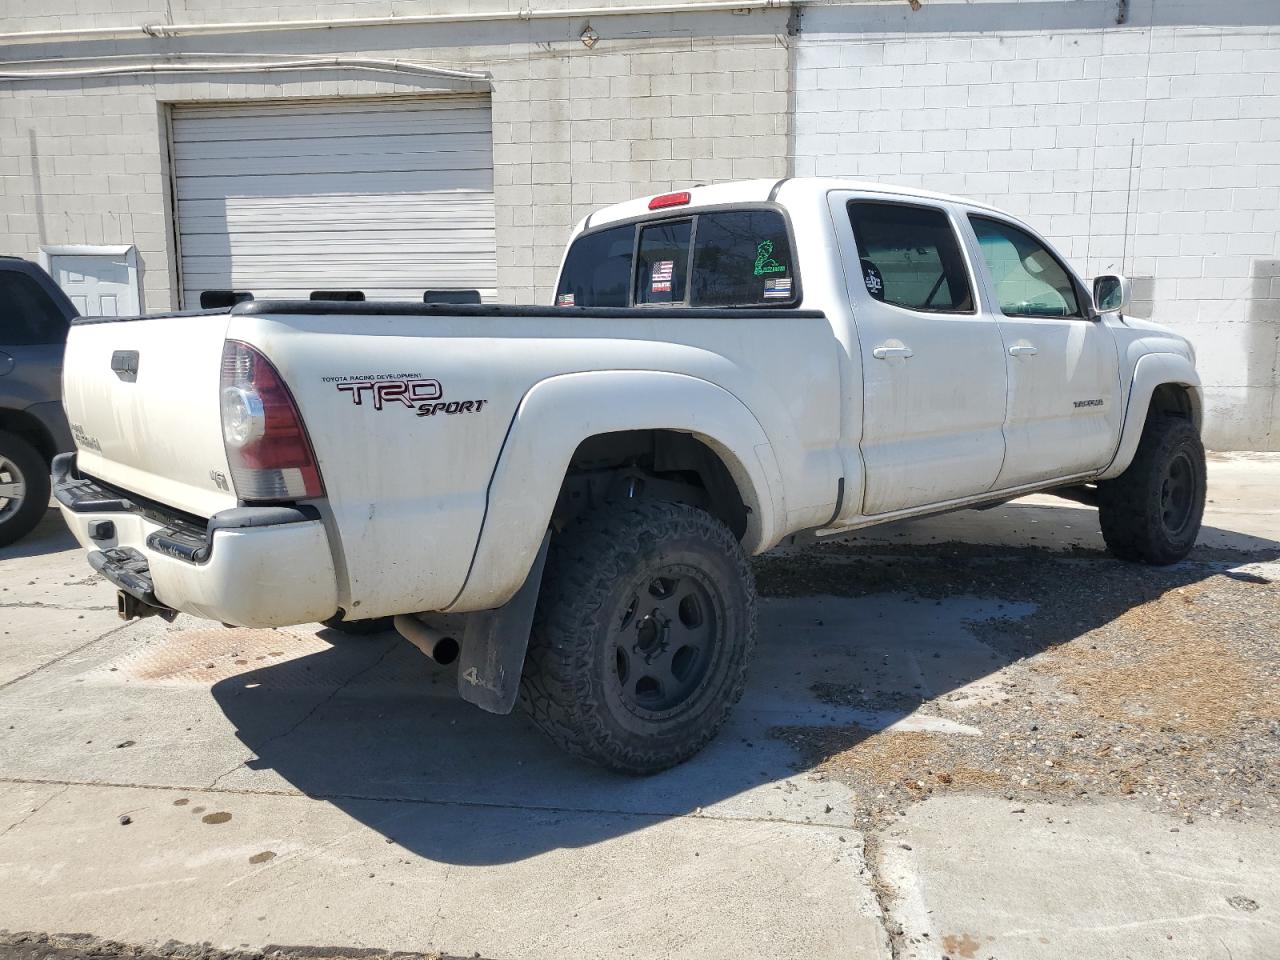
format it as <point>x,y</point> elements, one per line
<point>1132,507</point>
<point>572,687</point>
<point>18,522</point>
<point>360,628</point>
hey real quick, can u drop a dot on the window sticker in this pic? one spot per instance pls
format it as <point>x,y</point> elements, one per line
<point>565,300</point>
<point>660,278</point>
<point>872,277</point>
<point>765,262</point>
<point>777,288</point>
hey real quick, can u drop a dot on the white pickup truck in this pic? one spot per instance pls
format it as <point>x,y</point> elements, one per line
<point>564,498</point>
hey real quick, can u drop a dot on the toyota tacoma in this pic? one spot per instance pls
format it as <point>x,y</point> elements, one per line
<point>565,497</point>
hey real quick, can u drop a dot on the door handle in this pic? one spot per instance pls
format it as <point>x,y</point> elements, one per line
<point>1022,350</point>
<point>885,353</point>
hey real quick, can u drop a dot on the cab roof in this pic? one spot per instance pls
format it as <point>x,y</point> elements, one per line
<point>788,190</point>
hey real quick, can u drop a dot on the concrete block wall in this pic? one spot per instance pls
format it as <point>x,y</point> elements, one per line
<point>575,132</point>
<point>1150,148</point>
<point>658,101</point>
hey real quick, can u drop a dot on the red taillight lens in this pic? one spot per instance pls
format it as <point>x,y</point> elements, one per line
<point>267,446</point>
<point>670,200</point>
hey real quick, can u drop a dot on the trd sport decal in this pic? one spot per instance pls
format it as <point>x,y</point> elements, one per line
<point>412,390</point>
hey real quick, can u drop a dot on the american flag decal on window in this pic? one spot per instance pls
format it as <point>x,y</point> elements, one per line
<point>778,288</point>
<point>660,279</point>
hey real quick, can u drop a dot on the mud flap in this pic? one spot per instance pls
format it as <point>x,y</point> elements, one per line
<point>494,644</point>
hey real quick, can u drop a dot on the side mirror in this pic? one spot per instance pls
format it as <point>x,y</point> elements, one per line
<point>1111,293</point>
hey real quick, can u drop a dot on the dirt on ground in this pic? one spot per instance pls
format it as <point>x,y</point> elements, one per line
<point>1156,685</point>
<point>39,946</point>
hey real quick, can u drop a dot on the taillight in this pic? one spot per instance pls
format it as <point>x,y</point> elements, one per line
<point>670,200</point>
<point>267,446</point>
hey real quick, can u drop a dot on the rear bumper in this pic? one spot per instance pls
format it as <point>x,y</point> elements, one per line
<point>252,566</point>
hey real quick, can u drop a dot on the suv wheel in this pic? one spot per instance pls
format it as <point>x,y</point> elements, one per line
<point>1152,512</point>
<point>24,487</point>
<point>643,630</point>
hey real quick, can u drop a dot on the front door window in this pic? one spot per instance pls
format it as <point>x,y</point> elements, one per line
<point>1029,281</point>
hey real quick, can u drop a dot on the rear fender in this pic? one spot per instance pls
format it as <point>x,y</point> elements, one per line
<point>1151,371</point>
<point>557,414</point>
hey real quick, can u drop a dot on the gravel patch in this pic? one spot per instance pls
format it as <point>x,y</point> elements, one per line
<point>1156,685</point>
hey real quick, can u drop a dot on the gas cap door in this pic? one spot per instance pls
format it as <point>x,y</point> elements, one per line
<point>6,363</point>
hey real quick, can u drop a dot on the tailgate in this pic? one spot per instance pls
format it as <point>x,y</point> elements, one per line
<point>142,397</point>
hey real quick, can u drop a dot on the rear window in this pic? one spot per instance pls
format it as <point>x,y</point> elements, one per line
<point>742,258</point>
<point>597,270</point>
<point>662,262</point>
<point>727,258</point>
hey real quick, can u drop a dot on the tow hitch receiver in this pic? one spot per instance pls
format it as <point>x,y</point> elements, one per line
<point>130,607</point>
<point>128,570</point>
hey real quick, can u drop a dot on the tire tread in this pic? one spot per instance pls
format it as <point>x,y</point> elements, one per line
<point>1128,508</point>
<point>556,690</point>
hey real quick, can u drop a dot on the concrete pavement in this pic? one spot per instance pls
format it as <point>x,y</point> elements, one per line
<point>1104,882</point>
<point>302,787</point>
<point>366,806</point>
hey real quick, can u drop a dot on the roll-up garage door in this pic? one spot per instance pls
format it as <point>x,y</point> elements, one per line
<point>389,197</point>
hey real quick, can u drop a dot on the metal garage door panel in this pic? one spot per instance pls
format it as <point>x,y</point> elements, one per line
<point>386,196</point>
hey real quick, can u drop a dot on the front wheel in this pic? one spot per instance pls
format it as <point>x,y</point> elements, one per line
<point>24,487</point>
<point>640,641</point>
<point>1152,512</point>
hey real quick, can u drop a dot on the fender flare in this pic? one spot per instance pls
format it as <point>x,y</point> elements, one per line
<point>1151,371</point>
<point>43,421</point>
<point>558,413</point>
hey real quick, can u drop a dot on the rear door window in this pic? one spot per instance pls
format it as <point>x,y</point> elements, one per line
<point>28,315</point>
<point>597,269</point>
<point>910,257</point>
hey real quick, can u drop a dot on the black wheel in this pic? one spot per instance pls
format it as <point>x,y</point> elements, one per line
<point>359,628</point>
<point>1152,512</point>
<point>643,630</point>
<point>24,487</point>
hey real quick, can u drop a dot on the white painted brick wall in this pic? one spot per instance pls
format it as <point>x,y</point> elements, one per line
<point>1035,106</point>
<point>1152,148</point>
<point>83,161</point>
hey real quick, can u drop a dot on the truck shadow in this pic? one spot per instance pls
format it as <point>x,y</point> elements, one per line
<point>854,637</point>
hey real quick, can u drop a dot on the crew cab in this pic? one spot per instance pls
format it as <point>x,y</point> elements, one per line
<point>564,497</point>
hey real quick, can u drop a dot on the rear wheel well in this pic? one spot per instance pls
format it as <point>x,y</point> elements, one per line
<point>31,430</point>
<point>653,465</point>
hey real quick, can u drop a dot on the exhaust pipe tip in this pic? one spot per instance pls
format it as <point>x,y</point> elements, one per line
<point>439,646</point>
<point>445,651</point>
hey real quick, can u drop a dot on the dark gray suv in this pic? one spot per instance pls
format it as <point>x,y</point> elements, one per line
<point>34,316</point>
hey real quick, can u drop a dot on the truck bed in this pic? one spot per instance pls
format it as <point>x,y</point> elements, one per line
<point>410,407</point>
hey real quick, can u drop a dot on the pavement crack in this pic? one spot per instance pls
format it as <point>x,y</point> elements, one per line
<point>316,707</point>
<point>41,605</point>
<point>61,657</point>
<point>884,893</point>
<point>334,797</point>
<point>36,809</point>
